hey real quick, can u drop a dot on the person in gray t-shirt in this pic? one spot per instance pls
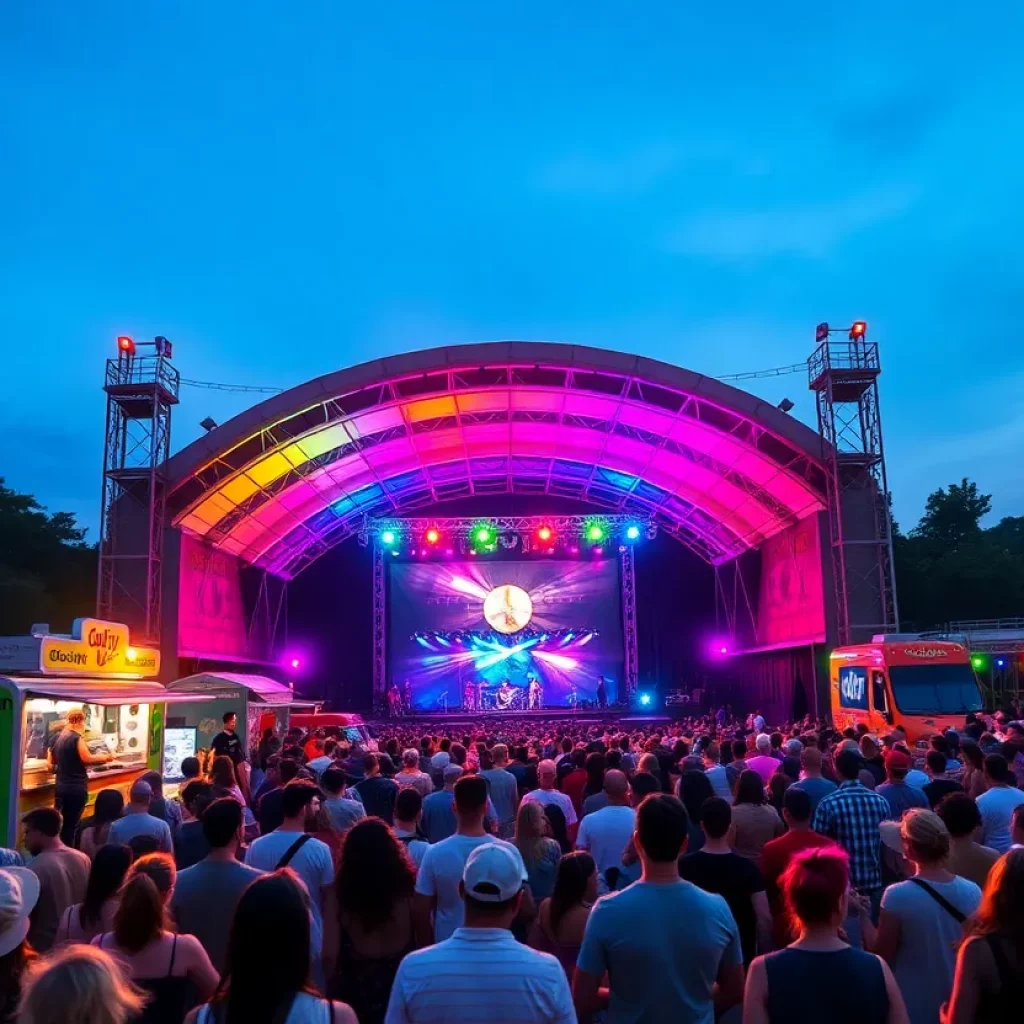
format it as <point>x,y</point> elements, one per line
<point>343,811</point>
<point>206,894</point>
<point>137,820</point>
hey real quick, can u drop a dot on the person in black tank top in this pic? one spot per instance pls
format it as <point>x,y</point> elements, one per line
<point>820,970</point>
<point>69,757</point>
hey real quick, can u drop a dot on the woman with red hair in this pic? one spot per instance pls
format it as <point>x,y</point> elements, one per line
<point>820,970</point>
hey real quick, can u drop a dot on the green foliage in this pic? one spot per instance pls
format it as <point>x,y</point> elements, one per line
<point>47,570</point>
<point>950,568</point>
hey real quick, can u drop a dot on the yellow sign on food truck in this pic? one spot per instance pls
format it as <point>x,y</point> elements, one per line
<point>97,647</point>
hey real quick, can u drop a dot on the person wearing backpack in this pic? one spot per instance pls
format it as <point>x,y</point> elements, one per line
<point>922,919</point>
<point>408,811</point>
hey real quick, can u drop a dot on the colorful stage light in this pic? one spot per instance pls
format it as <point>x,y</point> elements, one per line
<point>126,345</point>
<point>433,536</point>
<point>645,699</point>
<point>632,533</point>
<point>858,329</point>
<point>484,536</point>
<point>977,662</point>
<point>387,538</point>
<point>595,533</point>
<point>545,533</point>
<point>1000,663</point>
<point>295,663</point>
<point>558,660</point>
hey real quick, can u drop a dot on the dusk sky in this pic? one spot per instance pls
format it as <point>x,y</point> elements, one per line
<point>287,189</point>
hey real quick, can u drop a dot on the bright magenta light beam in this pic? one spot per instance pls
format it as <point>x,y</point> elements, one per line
<point>464,586</point>
<point>558,660</point>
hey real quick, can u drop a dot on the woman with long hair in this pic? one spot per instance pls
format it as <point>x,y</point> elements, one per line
<point>266,979</point>
<point>368,920</point>
<point>755,821</point>
<point>156,959</point>
<point>539,851</point>
<point>222,775</point>
<point>95,913</point>
<point>109,806</point>
<point>973,779</point>
<point>990,964</point>
<point>562,917</point>
<point>79,985</point>
<point>820,969</point>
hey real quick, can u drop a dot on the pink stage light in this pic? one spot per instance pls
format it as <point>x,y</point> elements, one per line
<point>720,647</point>
<point>558,660</point>
<point>464,586</point>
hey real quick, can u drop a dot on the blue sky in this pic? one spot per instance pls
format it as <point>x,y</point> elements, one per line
<point>283,190</point>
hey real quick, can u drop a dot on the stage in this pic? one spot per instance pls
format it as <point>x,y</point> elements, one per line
<point>573,716</point>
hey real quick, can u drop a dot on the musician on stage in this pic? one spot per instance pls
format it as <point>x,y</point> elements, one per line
<point>407,697</point>
<point>506,694</point>
<point>481,690</point>
<point>469,694</point>
<point>394,701</point>
<point>535,694</point>
<point>602,693</point>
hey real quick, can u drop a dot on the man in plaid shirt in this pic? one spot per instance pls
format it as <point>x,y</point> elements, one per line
<point>851,816</point>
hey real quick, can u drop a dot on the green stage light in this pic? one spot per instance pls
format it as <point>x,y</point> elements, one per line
<point>595,533</point>
<point>977,662</point>
<point>483,535</point>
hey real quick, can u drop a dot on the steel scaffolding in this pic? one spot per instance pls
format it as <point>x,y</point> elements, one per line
<point>844,376</point>
<point>141,392</point>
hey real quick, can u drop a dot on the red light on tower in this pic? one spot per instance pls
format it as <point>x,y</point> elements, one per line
<point>433,536</point>
<point>125,345</point>
<point>858,329</point>
<point>544,533</point>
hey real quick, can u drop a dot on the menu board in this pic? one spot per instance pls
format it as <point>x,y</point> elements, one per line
<point>178,744</point>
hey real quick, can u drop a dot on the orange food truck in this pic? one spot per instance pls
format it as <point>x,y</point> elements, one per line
<point>923,685</point>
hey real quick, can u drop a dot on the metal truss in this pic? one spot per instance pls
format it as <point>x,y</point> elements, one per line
<point>844,376</point>
<point>380,630</point>
<point>141,391</point>
<point>631,658</point>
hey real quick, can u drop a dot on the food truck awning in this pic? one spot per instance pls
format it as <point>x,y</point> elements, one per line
<point>262,689</point>
<point>109,692</point>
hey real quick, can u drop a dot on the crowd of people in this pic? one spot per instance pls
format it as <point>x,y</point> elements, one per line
<point>532,870</point>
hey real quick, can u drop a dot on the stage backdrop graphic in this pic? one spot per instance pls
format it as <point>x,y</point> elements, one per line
<point>572,636</point>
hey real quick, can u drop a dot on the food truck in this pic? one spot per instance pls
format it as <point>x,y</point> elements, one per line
<point>202,700</point>
<point>923,685</point>
<point>95,668</point>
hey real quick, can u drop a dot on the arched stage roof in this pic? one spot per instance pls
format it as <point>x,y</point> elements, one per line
<point>289,478</point>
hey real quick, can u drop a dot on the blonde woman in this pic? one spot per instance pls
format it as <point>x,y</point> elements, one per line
<point>539,851</point>
<point>79,985</point>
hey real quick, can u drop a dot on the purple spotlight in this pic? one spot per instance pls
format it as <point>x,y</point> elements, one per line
<point>293,661</point>
<point>720,647</point>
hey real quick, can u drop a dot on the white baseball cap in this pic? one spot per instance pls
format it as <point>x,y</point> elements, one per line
<point>493,873</point>
<point>19,891</point>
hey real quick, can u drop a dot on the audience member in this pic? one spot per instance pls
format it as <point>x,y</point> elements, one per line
<point>137,820</point>
<point>272,920</point>
<point>63,874</point>
<point>504,791</point>
<point>167,810</point>
<point>269,811</point>
<point>368,923</point>
<point>95,913</point>
<point>344,810</point>
<point>411,776</point>
<point>812,782</point>
<point>670,950</point>
<point>819,973</point>
<point>898,793</point>
<point>545,793</point>
<point>562,917</point>
<point>872,760</point>
<point>19,891</point>
<point>763,762</point>
<point>207,893</point>
<point>941,784</point>
<point>80,985</point>
<point>190,845</point>
<point>539,851</point>
<point>606,833</point>
<point>108,807</point>
<point>408,813</point>
<point>156,959</point>
<point>377,793</point>
<point>754,820</point>
<point>996,804</point>
<point>480,972</point>
<point>717,869</point>
<point>716,772</point>
<point>967,858</point>
<point>990,964</point>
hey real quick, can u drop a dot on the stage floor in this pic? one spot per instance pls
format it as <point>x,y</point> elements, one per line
<point>588,716</point>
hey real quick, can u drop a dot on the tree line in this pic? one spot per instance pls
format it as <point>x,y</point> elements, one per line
<point>947,567</point>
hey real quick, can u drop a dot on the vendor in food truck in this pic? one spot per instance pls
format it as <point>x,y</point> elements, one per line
<point>67,758</point>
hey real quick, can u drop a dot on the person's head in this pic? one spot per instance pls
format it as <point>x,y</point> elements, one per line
<point>142,911</point>
<point>642,786</point>
<point>578,759</point>
<point>596,765</point>
<point>155,782</point>
<point>575,883</point>
<point>712,754</point>
<point>410,760</point>
<point>287,769</point>
<point>616,787</point>
<point>715,817</point>
<point>848,765</point>
<point>224,824</point>
<point>926,840</point>
<point>408,807</point>
<point>546,774</point>
<point>973,755</point>
<point>558,827</point>
<point>332,782</point>
<point>375,872</point>
<point>451,774</point>
<point>371,765</point>
<point>470,800</point>
<point>763,743</point>
<point>897,765</point>
<point>196,796</point>
<point>997,770</point>
<point>661,829</point>
<point>273,913</point>
<point>960,814</point>
<point>935,761</point>
<point>109,867</point>
<point>796,809</point>
<point>222,772</point>
<point>42,829</point>
<point>140,796</point>
<point>230,720</point>
<point>190,768</point>
<point>1017,825</point>
<point>1002,903</point>
<point>814,887</point>
<point>108,807</point>
<point>649,765</point>
<point>749,788</point>
<point>492,886</point>
<point>499,755</point>
<point>79,984</point>
<point>19,893</point>
<point>739,750</point>
<point>531,828</point>
<point>694,788</point>
<point>868,747</point>
<point>300,802</point>
<point>76,719</point>
<point>776,741</point>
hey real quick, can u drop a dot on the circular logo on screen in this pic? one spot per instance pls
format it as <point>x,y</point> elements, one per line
<point>508,609</point>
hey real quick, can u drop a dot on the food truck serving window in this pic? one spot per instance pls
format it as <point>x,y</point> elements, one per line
<point>853,687</point>
<point>934,689</point>
<point>123,730</point>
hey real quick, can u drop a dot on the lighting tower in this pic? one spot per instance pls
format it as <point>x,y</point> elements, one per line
<point>142,388</point>
<point>843,372</point>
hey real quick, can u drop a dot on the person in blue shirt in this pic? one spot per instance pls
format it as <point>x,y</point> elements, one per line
<point>901,796</point>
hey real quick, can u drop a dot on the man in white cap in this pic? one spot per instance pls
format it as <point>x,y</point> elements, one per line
<point>137,820</point>
<point>481,972</point>
<point>19,891</point>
